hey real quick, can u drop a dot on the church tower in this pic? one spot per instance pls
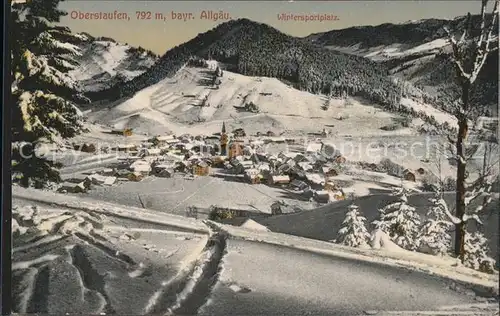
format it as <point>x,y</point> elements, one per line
<point>223,140</point>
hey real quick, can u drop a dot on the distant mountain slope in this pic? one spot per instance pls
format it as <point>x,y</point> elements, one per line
<point>99,63</point>
<point>412,33</point>
<point>417,51</point>
<point>256,49</point>
<point>188,103</point>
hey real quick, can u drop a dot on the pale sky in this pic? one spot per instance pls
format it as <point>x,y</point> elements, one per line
<point>161,35</point>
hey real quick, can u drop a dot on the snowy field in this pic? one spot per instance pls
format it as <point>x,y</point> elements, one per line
<point>76,261</point>
<point>297,282</point>
<point>82,256</point>
<point>175,195</point>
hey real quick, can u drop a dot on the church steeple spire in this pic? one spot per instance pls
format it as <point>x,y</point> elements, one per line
<point>223,140</point>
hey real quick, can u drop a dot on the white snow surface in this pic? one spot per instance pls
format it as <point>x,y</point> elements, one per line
<point>94,257</point>
<point>101,62</point>
<point>253,225</point>
<point>395,50</point>
<point>391,51</point>
<point>174,105</point>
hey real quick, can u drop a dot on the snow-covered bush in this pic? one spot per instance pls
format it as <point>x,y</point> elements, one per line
<point>435,236</point>
<point>217,213</point>
<point>400,221</point>
<point>353,232</point>
<point>392,168</point>
<point>476,253</point>
<point>380,240</point>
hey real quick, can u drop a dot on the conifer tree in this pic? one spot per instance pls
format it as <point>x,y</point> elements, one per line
<point>353,232</point>
<point>43,110</point>
<point>476,253</point>
<point>400,221</point>
<point>435,233</point>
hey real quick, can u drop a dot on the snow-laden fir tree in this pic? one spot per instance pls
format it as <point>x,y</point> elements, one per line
<point>435,233</point>
<point>353,232</point>
<point>400,221</point>
<point>41,91</point>
<point>476,253</point>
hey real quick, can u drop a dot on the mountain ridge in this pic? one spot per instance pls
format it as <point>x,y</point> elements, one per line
<point>418,52</point>
<point>256,49</point>
<point>101,62</point>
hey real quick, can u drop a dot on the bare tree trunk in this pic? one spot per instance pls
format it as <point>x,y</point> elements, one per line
<point>467,72</point>
<point>460,228</point>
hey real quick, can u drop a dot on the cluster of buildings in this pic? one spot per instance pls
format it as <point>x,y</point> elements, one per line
<point>234,156</point>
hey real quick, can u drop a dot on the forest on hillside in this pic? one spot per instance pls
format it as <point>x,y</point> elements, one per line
<point>256,49</point>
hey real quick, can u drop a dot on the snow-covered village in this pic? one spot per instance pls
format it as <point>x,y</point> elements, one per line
<point>252,171</point>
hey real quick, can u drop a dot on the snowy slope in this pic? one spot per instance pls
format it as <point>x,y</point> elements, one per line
<point>94,258</point>
<point>418,51</point>
<point>102,62</point>
<point>174,105</point>
<point>395,50</point>
<point>323,223</point>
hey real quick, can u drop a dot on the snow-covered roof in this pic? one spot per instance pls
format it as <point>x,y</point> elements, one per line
<point>252,171</point>
<point>304,165</point>
<point>322,193</point>
<point>315,178</point>
<point>281,178</point>
<point>165,137</point>
<point>313,147</point>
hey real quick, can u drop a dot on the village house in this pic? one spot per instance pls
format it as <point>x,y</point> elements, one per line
<point>163,170</point>
<point>299,185</point>
<point>239,132</point>
<point>212,140</point>
<point>280,179</point>
<point>339,195</point>
<point>322,196</point>
<point>125,147</point>
<point>247,164</point>
<point>135,176</point>
<point>253,175</point>
<point>329,171</point>
<point>124,132</point>
<point>238,168</point>
<point>409,175</point>
<point>218,161</point>
<point>284,169</point>
<point>164,140</point>
<point>69,187</point>
<point>306,166</point>
<point>86,148</point>
<point>313,147</point>
<point>141,166</point>
<point>276,208</point>
<point>315,179</point>
<point>300,158</point>
<point>235,149</point>
<point>330,186</point>
<point>201,168</point>
<point>180,166</point>
<point>340,159</point>
<point>150,152</point>
<point>99,179</point>
<point>206,150</point>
